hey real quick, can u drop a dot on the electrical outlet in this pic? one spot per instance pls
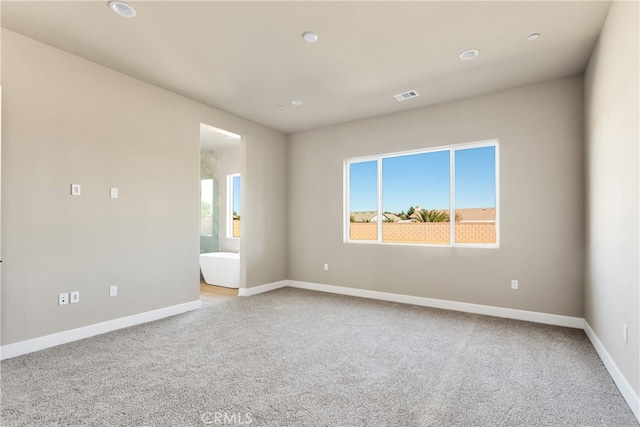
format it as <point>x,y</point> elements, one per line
<point>625,333</point>
<point>75,297</point>
<point>63,298</point>
<point>326,267</point>
<point>514,284</point>
<point>113,291</point>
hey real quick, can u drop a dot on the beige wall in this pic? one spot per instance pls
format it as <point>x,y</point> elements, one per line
<point>264,212</point>
<point>66,120</point>
<point>612,268</point>
<point>540,128</point>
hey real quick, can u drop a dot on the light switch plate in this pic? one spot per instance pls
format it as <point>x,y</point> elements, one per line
<point>114,193</point>
<point>75,189</point>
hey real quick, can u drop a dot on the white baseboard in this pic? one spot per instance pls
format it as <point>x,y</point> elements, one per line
<point>629,395</point>
<point>29,346</point>
<point>246,292</point>
<point>509,313</point>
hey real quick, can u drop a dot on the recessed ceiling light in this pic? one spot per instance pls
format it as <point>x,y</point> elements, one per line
<point>279,107</point>
<point>469,54</point>
<point>534,36</point>
<point>297,102</point>
<point>122,9</point>
<point>310,37</point>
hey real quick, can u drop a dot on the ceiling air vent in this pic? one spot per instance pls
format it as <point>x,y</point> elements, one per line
<point>406,95</point>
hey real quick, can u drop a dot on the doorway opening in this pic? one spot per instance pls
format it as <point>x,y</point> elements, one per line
<point>220,212</point>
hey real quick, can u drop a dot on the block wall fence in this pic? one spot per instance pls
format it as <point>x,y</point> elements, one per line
<point>424,232</point>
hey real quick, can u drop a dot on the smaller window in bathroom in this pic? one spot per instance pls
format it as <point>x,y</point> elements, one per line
<point>233,205</point>
<point>206,207</point>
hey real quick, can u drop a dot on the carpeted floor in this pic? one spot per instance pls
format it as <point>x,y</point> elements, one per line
<point>299,358</point>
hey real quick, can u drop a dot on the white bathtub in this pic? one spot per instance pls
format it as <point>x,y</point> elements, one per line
<point>221,268</point>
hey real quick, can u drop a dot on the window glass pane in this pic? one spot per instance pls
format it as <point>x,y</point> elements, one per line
<point>415,198</point>
<point>363,196</point>
<point>206,207</point>
<point>475,191</point>
<point>236,185</point>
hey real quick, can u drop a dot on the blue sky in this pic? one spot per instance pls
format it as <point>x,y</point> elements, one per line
<point>236,194</point>
<point>423,179</point>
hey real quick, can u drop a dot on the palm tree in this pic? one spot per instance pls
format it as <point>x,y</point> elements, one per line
<point>432,215</point>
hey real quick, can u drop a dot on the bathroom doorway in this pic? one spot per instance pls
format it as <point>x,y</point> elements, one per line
<point>220,213</point>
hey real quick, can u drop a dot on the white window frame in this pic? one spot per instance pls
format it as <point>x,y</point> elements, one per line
<point>452,185</point>
<point>230,204</point>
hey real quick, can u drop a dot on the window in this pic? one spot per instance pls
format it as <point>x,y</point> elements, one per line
<point>410,198</point>
<point>206,207</point>
<point>233,205</point>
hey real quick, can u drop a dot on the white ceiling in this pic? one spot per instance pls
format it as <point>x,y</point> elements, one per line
<point>247,57</point>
